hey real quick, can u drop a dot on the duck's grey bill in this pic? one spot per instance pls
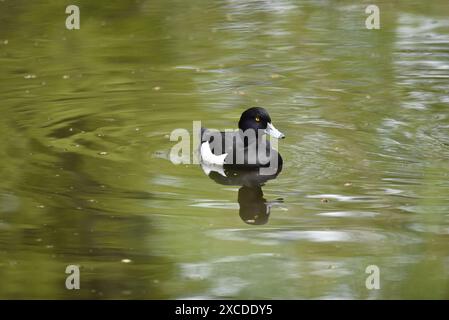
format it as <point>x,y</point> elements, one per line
<point>272,131</point>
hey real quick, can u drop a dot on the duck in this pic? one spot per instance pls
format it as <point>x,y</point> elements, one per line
<point>245,148</point>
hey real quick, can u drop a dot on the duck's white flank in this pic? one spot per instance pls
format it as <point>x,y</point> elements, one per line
<point>209,158</point>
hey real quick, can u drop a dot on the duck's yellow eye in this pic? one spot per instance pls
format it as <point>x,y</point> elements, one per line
<point>257,119</point>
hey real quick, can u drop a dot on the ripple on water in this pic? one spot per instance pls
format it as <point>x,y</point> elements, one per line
<point>9,202</point>
<point>202,270</point>
<point>326,236</point>
<point>213,204</point>
<point>228,286</point>
<point>429,228</point>
<point>343,198</point>
<point>273,237</point>
<point>325,124</point>
<point>349,214</point>
<point>330,269</point>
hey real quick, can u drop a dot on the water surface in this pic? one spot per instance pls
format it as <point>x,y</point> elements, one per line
<point>86,178</point>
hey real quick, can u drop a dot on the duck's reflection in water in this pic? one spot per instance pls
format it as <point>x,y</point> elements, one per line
<point>254,208</point>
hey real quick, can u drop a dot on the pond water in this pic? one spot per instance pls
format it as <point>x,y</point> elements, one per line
<point>86,179</point>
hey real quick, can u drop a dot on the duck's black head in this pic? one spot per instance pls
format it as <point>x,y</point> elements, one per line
<point>258,119</point>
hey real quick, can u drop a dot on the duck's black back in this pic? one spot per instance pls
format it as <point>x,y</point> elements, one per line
<point>242,151</point>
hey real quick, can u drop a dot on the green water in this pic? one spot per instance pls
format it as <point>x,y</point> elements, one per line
<point>85,175</point>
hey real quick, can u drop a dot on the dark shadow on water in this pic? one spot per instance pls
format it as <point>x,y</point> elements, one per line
<point>254,208</point>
